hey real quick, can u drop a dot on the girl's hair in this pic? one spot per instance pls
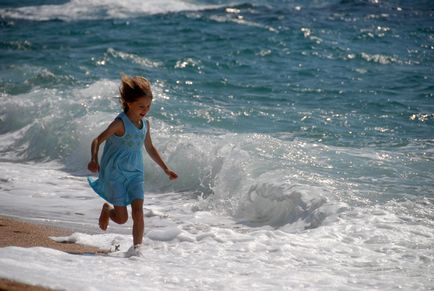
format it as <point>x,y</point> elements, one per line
<point>134,88</point>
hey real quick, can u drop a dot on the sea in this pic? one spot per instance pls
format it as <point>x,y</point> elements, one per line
<point>302,133</point>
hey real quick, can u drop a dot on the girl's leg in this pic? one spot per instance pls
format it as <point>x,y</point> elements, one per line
<point>138,221</point>
<point>118,214</point>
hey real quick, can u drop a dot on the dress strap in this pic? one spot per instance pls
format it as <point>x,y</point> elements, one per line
<point>125,120</point>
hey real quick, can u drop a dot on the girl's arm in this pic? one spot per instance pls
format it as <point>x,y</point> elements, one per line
<point>116,127</point>
<point>155,155</point>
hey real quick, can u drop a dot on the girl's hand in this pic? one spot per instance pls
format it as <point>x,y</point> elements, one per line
<point>171,174</point>
<point>93,166</point>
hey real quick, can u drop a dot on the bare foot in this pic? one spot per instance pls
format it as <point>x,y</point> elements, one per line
<point>104,217</point>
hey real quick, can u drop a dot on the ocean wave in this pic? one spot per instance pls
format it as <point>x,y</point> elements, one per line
<point>380,58</point>
<point>277,205</point>
<point>51,127</point>
<point>129,57</point>
<point>238,19</point>
<point>246,177</point>
<point>99,9</point>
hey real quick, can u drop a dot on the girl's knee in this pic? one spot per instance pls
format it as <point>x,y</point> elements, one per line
<point>122,219</point>
<point>120,215</point>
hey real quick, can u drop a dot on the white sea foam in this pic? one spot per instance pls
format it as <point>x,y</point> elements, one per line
<point>133,58</point>
<point>99,9</point>
<point>241,21</point>
<point>385,59</point>
<point>368,248</point>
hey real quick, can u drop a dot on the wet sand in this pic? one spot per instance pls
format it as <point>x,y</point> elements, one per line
<point>19,233</point>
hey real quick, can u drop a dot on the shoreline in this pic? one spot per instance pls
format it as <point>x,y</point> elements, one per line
<point>20,233</point>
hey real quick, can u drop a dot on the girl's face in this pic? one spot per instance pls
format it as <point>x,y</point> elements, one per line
<point>139,108</point>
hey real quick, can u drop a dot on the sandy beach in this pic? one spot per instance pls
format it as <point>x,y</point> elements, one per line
<point>19,233</point>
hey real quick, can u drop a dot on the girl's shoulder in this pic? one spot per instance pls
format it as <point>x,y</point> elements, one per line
<point>121,116</point>
<point>118,125</point>
<point>146,125</point>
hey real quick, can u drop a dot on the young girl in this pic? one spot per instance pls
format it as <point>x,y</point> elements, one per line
<point>121,174</point>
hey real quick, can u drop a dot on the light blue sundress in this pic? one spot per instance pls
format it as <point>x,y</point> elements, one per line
<point>121,176</point>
